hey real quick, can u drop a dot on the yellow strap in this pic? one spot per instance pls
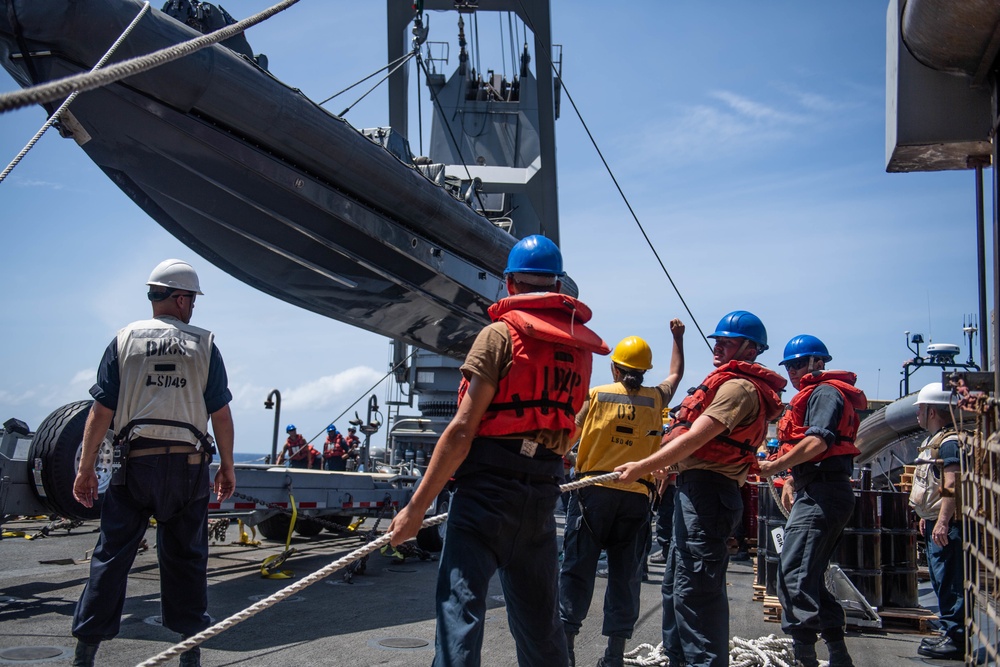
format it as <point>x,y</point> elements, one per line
<point>246,539</point>
<point>269,568</point>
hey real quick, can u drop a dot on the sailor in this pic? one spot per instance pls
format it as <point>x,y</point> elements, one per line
<point>816,441</point>
<point>160,381</point>
<point>718,428</point>
<point>619,422</point>
<point>524,380</point>
<point>334,450</point>
<point>353,448</point>
<point>298,451</point>
<point>935,498</point>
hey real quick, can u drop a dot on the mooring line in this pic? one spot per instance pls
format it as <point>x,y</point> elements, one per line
<point>195,640</point>
<point>59,89</point>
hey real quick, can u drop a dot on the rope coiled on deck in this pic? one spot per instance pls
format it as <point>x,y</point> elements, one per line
<point>769,651</point>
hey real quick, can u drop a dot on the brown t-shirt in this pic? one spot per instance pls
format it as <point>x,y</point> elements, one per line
<point>490,359</point>
<point>735,404</point>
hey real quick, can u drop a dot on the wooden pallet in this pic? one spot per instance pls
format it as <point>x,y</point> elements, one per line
<point>903,619</point>
<point>772,609</point>
<point>759,592</point>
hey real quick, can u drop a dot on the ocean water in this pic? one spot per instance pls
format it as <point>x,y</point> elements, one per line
<point>249,457</point>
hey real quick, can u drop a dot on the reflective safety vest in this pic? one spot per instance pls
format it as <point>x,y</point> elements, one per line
<point>928,480</point>
<point>551,362</point>
<point>621,426</point>
<point>163,370</point>
<point>740,446</point>
<point>792,428</point>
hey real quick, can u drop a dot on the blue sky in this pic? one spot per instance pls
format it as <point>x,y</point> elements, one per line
<point>749,138</point>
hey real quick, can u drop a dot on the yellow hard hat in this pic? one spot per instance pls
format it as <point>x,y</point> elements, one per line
<point>633,352</point>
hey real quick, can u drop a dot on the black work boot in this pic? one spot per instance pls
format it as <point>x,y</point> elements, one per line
<point>570,638</point>
<point>84,655</point>
<point>614,655</point>
<point>839,657</point>
<point>191,657</point>
<point>805,653</point>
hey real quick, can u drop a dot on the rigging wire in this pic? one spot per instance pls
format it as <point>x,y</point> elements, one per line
<point>503,61</point>
<point>365,393</point>
<point>607,167</point>
<point>475,29</point>
<point>378,83</point>
<point>454,141</point>
<point>420,113</point>
<point>360,81</point>
<point>511,28</point>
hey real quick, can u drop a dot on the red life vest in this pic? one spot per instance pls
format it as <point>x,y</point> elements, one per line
<point>791,428</point>
<point>741,444</point>
<point>549,375</point>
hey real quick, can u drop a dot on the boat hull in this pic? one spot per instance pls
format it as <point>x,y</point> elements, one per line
<point>268,186</point>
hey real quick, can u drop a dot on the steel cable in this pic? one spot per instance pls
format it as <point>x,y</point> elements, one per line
<point>614,179</point>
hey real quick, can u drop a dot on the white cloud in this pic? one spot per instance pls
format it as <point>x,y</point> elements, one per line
<point>756,111</point>
<point>325,393</point>
<point>34,183</point>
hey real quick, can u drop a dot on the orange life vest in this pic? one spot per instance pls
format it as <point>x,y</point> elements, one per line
<point>741,444</point>
<point>551,361</point>
<point>298,449</point>
<point>792,428</point>
<point>334,448</point>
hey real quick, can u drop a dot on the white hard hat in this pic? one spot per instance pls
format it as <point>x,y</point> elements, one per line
<point>934,394</point>
<point>175,274</point>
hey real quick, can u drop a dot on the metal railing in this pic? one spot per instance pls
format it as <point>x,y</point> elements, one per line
<point>980,483</point>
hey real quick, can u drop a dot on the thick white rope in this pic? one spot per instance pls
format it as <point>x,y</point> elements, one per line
<point>769,651</point>
<point>272,600</point>
<point>57,90</point>
<point>69,100</point>
<point>311,579</point>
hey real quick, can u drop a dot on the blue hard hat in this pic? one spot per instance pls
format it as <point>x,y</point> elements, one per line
<point>535,254</point>
<point>805,345</point>
<point>331,429</point>
<point>289,428</point>
<point>741,324</point>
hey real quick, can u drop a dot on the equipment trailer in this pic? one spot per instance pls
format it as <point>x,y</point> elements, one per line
<point>37,471</point>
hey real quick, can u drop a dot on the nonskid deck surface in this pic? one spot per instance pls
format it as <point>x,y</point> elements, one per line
<point>385,617</point>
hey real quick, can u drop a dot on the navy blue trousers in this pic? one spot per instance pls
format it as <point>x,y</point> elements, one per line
<point>707,507</point>
<point>617,521</point>
<point>176,493</point>
<point>665,518</point>
<point>945,567</point>
<point>821,511</point>
<point>500,522</point>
